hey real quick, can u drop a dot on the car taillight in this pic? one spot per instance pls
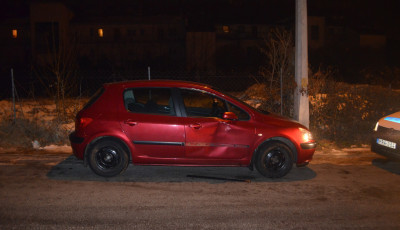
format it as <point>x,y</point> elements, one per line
<point>83,122</point>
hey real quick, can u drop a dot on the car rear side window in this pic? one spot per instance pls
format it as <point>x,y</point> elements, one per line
<point>149,100</point>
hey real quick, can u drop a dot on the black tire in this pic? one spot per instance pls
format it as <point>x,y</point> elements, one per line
<point>274,160</point>
<point>108,158</point>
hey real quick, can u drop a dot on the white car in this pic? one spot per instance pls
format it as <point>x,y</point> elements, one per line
<point>386,136</point>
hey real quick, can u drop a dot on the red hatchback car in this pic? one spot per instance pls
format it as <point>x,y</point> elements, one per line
<point>184,124</point>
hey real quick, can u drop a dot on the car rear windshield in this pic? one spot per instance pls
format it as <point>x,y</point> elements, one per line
<point>94,98</point>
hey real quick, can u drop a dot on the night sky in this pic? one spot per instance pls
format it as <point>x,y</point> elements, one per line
<point>362,16</point>
<point>380,15</point>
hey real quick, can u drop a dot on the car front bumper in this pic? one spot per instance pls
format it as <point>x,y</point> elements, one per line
<point>385,151</point>
<point>386,135</point>
<point>309,145</point>
<point>306,153</point>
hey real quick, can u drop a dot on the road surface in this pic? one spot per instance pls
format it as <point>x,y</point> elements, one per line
<point>346,189</point>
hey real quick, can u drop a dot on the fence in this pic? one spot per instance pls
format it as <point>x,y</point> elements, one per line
<point>87,82</point>
<point>340,112</point>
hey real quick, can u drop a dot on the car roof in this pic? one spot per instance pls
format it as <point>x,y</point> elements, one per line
<point>156,83</point>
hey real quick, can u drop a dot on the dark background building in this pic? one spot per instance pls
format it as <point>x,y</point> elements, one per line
<point>116,40</point>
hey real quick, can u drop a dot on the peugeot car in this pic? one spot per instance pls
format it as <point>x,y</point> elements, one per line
<point>177,123</point>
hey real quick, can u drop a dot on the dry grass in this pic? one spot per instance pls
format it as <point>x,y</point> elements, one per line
<point>340,113</point>
<point>23,132</point>
<point>36,120</point>
<point>347,114</point>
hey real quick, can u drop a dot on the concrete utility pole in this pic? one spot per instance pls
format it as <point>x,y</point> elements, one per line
<point>301,107</point>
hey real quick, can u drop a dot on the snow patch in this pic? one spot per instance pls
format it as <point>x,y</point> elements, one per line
<point>58,148</point>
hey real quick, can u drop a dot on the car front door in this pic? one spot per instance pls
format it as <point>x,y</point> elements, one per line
<point>150,121</point>
<point>208,136</point>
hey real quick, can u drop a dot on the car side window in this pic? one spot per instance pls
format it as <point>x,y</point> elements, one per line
<point>240,113</point>
<point>201,104</point>
<point>149,100</point>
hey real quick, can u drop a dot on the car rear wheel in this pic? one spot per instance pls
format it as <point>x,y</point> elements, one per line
<point>274,160</point>
<point>108,158</point>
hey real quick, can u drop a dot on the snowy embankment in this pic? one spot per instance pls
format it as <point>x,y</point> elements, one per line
<point>37,126</point>
<point>36,123</point>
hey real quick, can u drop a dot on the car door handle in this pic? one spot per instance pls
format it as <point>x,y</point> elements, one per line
<point>195,126</point>
<point>130,123</point>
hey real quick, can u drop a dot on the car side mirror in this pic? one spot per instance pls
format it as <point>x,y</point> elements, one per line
<point>230,116</point>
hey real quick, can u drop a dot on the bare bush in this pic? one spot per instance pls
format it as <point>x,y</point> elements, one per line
<point>37,121</point>
<point>57,71</point>
<point>24,132</point>
<point>347,113</point>
<point>278,73</point>
<point>339,112</point>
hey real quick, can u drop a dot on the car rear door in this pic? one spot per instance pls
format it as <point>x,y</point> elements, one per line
<point>151,122</point>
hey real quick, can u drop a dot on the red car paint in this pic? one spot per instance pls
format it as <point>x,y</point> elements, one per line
<point>180,139</point>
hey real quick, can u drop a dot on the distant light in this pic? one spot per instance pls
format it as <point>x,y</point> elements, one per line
<point>14,33</point>
<point>225,29</point>
<point>100,32</point>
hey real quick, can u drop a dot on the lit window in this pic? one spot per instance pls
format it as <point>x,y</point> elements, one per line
<point>14,33</point>
<point>100,32</point>
<point>225,29</point>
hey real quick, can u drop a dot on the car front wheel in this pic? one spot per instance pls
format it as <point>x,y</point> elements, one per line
<point>108,158</point>
<point>274,160</point>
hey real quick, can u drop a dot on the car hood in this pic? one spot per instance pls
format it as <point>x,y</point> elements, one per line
<point>391,121</point>
<point>277,120</point>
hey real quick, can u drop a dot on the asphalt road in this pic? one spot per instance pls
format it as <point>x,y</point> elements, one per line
<point>350,189</point>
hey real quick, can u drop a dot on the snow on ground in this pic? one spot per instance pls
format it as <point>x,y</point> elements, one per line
<point>38,113</point>
<point>58,148</point>
<point>45,109</point>
<point>29,109</point>
<point>49,148</point>
<point>346,156</point>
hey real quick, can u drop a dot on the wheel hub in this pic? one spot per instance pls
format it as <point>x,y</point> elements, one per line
<point>275,159</point>
<point>107,158</point>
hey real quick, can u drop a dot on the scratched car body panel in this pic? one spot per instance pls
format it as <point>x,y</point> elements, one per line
<point>184,124</point>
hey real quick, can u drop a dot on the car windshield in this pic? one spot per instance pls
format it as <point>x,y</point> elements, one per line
<point>240,101</point>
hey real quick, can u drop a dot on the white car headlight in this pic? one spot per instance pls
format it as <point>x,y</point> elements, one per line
<point>306,135</point>
<point>376,126</point>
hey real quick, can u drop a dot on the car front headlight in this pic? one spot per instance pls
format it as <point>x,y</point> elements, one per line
<point>306,135</point>
<point>376,126</point>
